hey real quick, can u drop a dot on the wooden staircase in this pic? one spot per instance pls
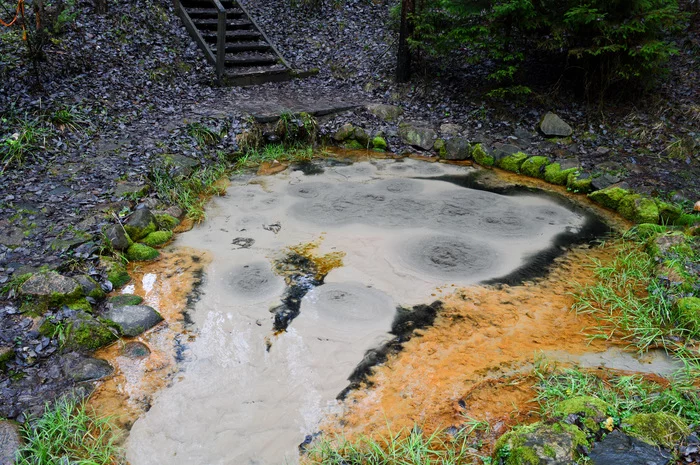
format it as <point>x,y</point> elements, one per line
<point>233,43</point>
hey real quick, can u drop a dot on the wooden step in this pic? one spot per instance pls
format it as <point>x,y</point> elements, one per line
<point>232,36</point>
<point>250,59</point>
<point>212,13</point>
<point>242,47</point>
<point>231,24</point>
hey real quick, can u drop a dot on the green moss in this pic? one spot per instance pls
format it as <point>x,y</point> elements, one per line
<point>645,231</point>
<point>88,334</point>
<point>379,143</point>
<point>591,410</point>
<point>512,162</point>
<point>534,166</point>
<point>116,272</point>
<point>639,209</point>
<point>659,429</point>
<point>125,299</point>
<point>81,304</point>
<point>7,354</point>
<point>136,232</point>
<point>353,145</point>
<point>668,213</point>
<point>520,446</point>
<point>688,309</point>
<point>481,157</point>
<point>166,222</point>
<point>157,238</point>
<point>687,219</point>
<point>439,147</point>
<point>576,184</point>
<point>609,197</point>
<point>141,253</point>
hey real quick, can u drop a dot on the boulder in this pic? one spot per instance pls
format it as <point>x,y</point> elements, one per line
<point>638,209</point>
<point>658,429</point>
<point>361,136</point>
<point>553,126</point>
<point>345,132</point>
<point>589,411</point>
<point>617,448</point>
<point>457,149</point>
<point>450,129</point>
<point>482,156</point>
<point>418,135</point>
<point>116,272</point>
<point>534,166</point>
<point>512,162</point>
<point>540,444</point>
<point>133,320</point>
<point>89,369</point>
<point>609,197</point>
<point>117,237</point>
<point>10,442</point>
<point>82,332</point>
<point>135,350</point>
<point>579,182</point>
<point>553,173</point>
<point>179,165</point>
<point>125,299</point>
<point>46,289</point>
<point>166,222</point>
<point>140,224</point>
<point>385,112</point>
<point>604,180</point>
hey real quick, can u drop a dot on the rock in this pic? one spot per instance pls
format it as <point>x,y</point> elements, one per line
<point>90,287</point>
<point>175,212</point>
<point>140,224</point>
<point>457,149</point>
<point>166,222</point>
<point>450,129</point>
<point>125,299</point>
<point>534,166</point>
<point>512,162</point>
<point>178,165</point>
<point>553,173</point>
<point>89,369</point>
<point>418,135</point>
<point>579,182</point>
<point>10,442</point>
<point>688,309</point>
<point>46,289</point>
<point>385,112</point>
<point>668,214</point>
<point>82,332</point>
<point>603,181</point>
<point>481,156</point>
<point>117,237</point>
<point>141,253</point>
<point>639,209</point>
<point>553,126</point>
<point>116,272</point>
<point>135,350</point>
<point>619,449</point>
<point>361,136</point>
<point>589,411</point>
<point>503,150</point>
<point>439,147</point>
<point>7,354</point>
<point>133,320</point>
<point>268,168</point>
<point>345,132</point>
<point>131,190</point>
<point>609,197</point>
<point>352,144</point>
<point>157,238</point>
<point>658,429</point>
<point>540,444</point>
<point>379,143</point>
<point>696,207</point>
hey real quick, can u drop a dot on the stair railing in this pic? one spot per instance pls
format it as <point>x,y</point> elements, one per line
<point>220,40</point>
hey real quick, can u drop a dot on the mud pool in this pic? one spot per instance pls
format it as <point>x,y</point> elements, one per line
<point>400,233</point>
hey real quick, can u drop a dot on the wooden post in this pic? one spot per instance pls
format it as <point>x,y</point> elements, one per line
<point>403,60</point>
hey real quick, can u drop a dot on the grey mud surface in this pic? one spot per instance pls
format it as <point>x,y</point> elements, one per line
<point>235,402</point>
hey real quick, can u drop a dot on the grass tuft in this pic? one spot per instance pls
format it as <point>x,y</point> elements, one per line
<point>68,433</point>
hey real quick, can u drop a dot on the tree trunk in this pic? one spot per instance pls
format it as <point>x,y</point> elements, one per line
<point>403,60</point>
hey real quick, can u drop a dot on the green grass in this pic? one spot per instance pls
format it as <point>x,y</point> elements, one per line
<point>275,152</point>
<point>20,137</point>
<point>70,118</point>
<point>68,433</point>
<point>190,194</point>
<point>403,448</point>
<point>203,135</point>
<point>629,302</point>
<point>627,394</point>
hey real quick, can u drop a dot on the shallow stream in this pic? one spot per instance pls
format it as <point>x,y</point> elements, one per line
<point>377,235</point>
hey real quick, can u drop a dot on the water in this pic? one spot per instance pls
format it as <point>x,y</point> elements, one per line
<point>248,396</point>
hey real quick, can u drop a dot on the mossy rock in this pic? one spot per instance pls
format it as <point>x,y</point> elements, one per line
<point>125,299</point>
<point>156,239</point>
<point>534,166</point>
<point>116,272</point>
<point>7,354</point>
<point>591,410</point>
<point>353,145</point>
<point>688,309</point>
<point>166,222</point>
<point>379,143</point>
<point>440,148</point>
<point>512,162</point>
<point>47,289</point>
<point>576,182</point>
<point>609,197</point>
<point>540,443</point>
<point>140,224</point>
<point>90,287</point>
<point>668,213</point>
<point>555,175</point>
<point>481,157</point>
<point>658,429</point>
<point>141,253</point>
<point>639,209</point>
<point>645,231</point>
<point>81,304</point>
<point>687,219</point>
<point>83,333</point>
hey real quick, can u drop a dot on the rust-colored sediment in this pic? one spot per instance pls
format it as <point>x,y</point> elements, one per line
<point>128,393</point>
<point>474,362</point>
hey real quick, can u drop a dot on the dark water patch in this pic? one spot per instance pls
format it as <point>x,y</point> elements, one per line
<point>309,168</point>
<point>406,322</point>
<point>301,275</point>
<point>194,296</point>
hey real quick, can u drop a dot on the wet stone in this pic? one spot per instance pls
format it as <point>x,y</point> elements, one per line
<point>10,442</point>
<point>619,449</point>
<point>89,369</point>
<point>125,299</point>
<point>117,237</point>
<point>133,319</point>
<point>135,350</point>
